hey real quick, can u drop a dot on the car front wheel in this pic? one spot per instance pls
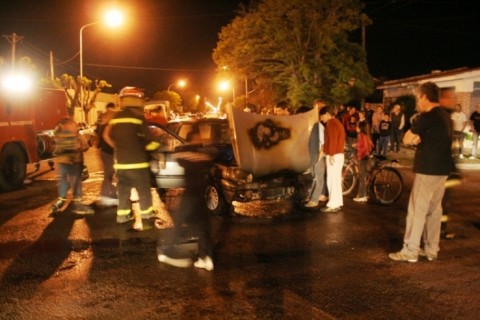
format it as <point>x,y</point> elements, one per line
<point>213,200</point>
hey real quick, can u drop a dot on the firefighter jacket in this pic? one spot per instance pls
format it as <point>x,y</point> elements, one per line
<point>132,139</point>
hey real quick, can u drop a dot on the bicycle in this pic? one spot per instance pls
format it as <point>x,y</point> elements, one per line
<point>384,181</point>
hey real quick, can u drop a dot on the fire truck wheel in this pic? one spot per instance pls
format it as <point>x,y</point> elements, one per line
<point>13,167</point>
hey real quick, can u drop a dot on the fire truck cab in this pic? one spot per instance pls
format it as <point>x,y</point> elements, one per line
<point>26,124</point>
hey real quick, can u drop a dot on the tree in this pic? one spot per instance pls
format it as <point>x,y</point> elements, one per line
<point>297,49</point>
<point>172,96</point>
<point>73,87</point>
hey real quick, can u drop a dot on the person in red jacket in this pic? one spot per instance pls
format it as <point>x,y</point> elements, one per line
<point>364,146</point>
<point>333,149</point>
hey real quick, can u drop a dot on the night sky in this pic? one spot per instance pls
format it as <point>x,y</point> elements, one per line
<point>164,40</point>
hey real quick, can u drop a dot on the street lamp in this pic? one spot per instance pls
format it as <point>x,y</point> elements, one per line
<point>180,83</point>
<point>224,85</point>
<point>113,18</point>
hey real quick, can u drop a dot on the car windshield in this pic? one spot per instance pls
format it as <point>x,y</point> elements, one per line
<point>206,132</point>
<point>168,141</point>
<point>214,132</point>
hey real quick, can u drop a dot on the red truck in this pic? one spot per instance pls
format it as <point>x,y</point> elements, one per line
<point>26,123</point>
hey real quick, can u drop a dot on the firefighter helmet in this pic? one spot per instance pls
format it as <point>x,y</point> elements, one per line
<point>131,97</point>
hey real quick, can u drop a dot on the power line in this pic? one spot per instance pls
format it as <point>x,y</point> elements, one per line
<point>145,68</point>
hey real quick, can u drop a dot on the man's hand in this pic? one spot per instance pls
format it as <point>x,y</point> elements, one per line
<point>332,160</point>
<point>411,138</point>
<point>416,140</point>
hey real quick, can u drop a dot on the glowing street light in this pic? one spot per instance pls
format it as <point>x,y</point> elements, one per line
<point>114,18</point>
<point>180,83</point>
<point>225,85</point>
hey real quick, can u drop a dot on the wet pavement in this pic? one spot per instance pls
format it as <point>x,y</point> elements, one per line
<point>302,265</point>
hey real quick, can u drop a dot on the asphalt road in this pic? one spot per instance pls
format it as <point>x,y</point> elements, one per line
<point>304,265</point>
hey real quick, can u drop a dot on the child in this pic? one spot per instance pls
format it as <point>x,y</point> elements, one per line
<point>384,135</point>
<point>69,154</point>
<point>364,147</point>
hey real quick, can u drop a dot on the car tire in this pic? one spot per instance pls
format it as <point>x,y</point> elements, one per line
<point>214,201</point>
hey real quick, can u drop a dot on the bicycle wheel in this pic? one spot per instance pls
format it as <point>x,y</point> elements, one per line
<point>387,185</point>
<point>349,179</point>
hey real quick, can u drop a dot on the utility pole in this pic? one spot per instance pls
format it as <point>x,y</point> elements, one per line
<point>13,39</point>
<point>52,76</point>
<point>364,37</point>
<point>364,47</point>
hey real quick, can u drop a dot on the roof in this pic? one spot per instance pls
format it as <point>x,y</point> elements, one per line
<point>432,76</point>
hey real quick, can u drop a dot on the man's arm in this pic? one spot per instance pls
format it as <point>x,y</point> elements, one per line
<point>411,138</point>
<point>402,122</point>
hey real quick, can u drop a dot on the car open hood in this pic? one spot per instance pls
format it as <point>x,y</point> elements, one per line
<point>266,144</point>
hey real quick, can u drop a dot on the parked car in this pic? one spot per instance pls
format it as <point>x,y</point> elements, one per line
<point>87,131</point>
<point>226,181</point>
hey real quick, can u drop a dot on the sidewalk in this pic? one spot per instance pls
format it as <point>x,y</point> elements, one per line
<point>406,154</point>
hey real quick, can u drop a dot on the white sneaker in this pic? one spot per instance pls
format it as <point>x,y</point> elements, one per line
<point>205,263</point>
<point>179,263</point>
<point>461,156</point>
<point>472,158</point>
<point>360,199</point>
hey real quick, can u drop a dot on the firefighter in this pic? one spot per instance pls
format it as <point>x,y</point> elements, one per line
<point>129,135</point>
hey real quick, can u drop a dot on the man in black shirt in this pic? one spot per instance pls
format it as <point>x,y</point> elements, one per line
<point>475,128</point>
<point>432,134</point>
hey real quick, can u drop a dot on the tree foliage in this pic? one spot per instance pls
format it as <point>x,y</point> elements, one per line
<point>79,91</point>
<point>298,50</point>
<point>169,95</point>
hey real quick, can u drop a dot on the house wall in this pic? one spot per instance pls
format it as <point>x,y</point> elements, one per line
<point>100,103</point>
<point>464,99</point>
<point>458,86</point>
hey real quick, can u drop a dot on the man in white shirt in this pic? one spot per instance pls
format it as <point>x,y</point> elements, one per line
<point>319,187</point>
<point>459,124</point>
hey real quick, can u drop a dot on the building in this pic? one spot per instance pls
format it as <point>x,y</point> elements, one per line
<point>460,85</point>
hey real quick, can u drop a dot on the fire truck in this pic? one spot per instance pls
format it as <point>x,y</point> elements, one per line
<point>26,128</point>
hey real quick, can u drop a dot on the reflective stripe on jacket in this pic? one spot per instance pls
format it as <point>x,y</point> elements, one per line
<point>131,136</point>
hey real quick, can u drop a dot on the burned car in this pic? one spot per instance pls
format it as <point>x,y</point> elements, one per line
<point>255,157</point>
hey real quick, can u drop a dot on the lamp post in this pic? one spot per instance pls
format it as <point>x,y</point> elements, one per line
<point>179,83</point>
<point>81,45</point>
<point>112,18</point>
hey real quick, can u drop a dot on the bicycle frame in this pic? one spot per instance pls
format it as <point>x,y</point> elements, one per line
<point>382,180</point>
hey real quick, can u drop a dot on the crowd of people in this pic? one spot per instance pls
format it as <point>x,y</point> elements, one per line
<point>125,144</point>
<point>432,135</point>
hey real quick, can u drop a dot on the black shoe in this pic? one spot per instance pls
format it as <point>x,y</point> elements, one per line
<point>82,209</point>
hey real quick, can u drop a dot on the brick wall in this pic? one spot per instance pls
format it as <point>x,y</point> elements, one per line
<point>464,98</point>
